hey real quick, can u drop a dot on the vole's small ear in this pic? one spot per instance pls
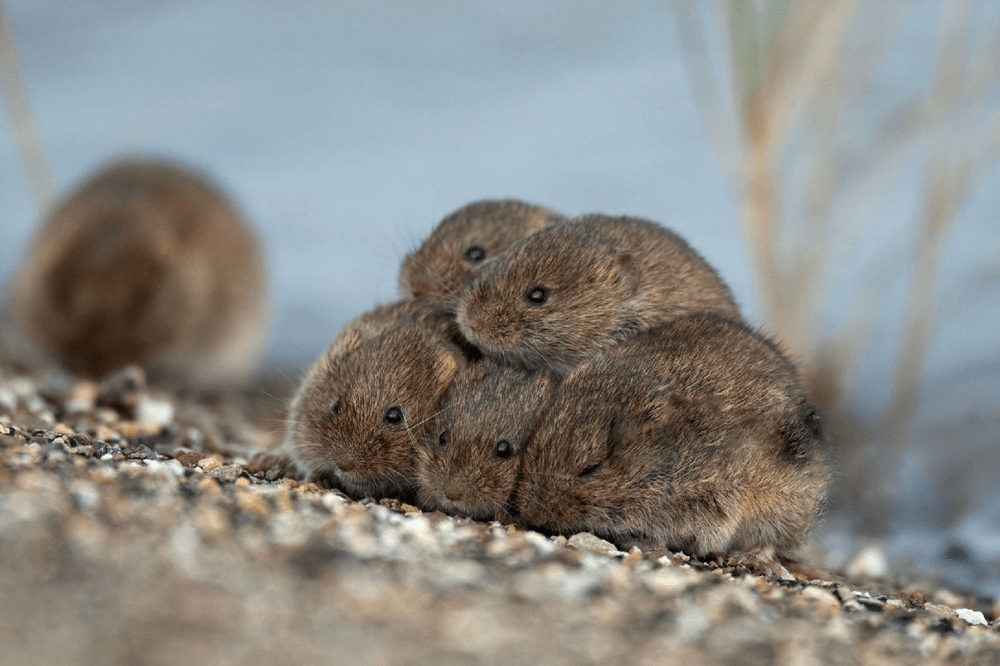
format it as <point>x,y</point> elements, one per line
<point>345,343</point>
<point>662,404</point>
<point>445,367</point>
<point>671,408</point>
<point>801,433</point>
<point>622,268</point>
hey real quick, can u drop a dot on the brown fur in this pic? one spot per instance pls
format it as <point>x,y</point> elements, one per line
<point>696,435</point>
<point>387,358</point>
<point>486,405</point>
<point>437,271</point>
<point>145,263</point>
<point>605,278</point>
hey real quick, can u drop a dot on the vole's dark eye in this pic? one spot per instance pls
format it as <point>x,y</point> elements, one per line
<point>394,416</point>
<point>475,254</point>
<point>335,409</point>
<point>443,439</point>
<point>537,295</point>
<point>590,469</point>
<point>503,449</point>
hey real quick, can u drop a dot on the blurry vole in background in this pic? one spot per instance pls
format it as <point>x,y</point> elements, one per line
<point>145,263</point>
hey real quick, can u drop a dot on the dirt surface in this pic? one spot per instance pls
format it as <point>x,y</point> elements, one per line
<point>139,527</point>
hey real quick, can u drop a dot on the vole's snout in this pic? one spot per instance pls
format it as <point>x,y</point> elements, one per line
<point>467,318</point>
<point>476,324</point>
<point>455,490</point>
<point>346,463</point>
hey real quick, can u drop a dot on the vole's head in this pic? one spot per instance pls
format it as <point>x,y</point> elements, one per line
<point>463,243</point>
<point>551,300</point>
<point>363,405</point>
<point>468,463</point>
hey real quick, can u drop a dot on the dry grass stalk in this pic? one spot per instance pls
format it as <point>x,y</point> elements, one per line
<point>22,121</point>
<point>789,104</point>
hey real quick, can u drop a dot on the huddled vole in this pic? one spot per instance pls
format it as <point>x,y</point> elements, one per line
<point>145,263</point>
<point>356,417</point>
<point>572,288</point>
<point>462,243</point>
<point>696,435</point>
<point>467,463</point>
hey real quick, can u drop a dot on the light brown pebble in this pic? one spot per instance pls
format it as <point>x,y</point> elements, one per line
<point>228,473</point>
<point>252,502</point>
<point>210,485</point>
<point>211,521</point>
<point>209,463</point>
<point>283,499</point>
<point>587,541</point>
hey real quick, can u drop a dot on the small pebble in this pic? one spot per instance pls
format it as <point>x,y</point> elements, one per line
<point>587,541</point>
<point>869,562</point>
<point>8,401</point>
<point>226,472</point>
<point>972,616</point>
<point>142,452</point>
<point>158,412</point>
<point>210,463</point>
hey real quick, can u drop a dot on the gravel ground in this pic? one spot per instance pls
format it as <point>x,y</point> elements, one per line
<point>139,527</point>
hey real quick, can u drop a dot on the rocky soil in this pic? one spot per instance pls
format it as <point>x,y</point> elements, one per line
<point>139,527</point>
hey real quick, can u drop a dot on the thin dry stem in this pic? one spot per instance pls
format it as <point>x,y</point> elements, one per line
<point>803,93</point>
<point>22,120</point>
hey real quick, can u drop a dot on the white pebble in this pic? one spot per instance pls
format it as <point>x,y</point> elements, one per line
<point>79,405</point>
<point>157,412</point>
<point>419,529</point>
<point>870,561</point>
<point>461,572</point>
<point>286,530</point>
<point>8,401</point>
<point>577,583</point>
<point>669,581</point>
<point>22,387</point>
<point>971,616</point>
<point>692,622</point>
<point>172,467</point>
<point>588,541</point>
<point>541,543</point>
<point>175,467</point>
<point>87,495</point>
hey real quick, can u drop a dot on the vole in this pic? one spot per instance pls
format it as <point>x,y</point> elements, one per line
<point>356,417</point>
<point>696,435</point>
<point>572,288</point>
<point>145,263</point>
<point>467,463</point>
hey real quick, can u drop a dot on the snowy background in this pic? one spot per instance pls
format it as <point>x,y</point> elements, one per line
<point>346,130</point>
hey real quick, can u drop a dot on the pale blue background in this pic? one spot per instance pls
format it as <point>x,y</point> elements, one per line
<point>347,130</point>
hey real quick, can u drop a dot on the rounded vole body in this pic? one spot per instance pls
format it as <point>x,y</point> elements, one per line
<point>468,461</point>
<point>462,243</point>
<point>145,263</point>
<point>357,415</point>
<point>572,288</point>
<point>697,436</point>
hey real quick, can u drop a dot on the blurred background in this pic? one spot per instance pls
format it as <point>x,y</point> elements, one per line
<point>837,164</point>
